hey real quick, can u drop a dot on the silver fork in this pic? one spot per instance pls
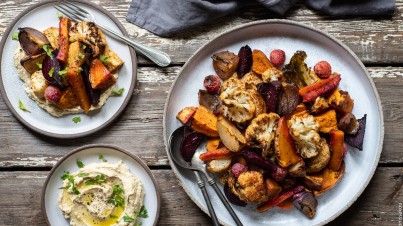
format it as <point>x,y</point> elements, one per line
<point>79,14</point>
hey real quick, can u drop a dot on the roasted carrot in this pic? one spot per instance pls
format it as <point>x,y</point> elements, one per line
<point>311,92</point>
<point>221,153</point>
<point>337,147</point>
<point>63,39</point>
<point>269,204</point>
<point>285,149</point>
<point>260,62</point>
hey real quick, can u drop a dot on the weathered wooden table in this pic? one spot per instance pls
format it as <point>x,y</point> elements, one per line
<point>26,157</point>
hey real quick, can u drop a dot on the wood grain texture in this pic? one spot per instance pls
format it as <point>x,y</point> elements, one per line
<point>139,128</point>
<point>20,195</point>
<point>374,40</point>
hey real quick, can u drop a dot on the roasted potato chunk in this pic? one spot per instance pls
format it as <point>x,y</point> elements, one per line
<point>38,84</point>
<point>112,60</point>
<point>52,34</point>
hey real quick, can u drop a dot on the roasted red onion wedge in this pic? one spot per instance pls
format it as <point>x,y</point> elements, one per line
<point>32,40</point>
<point>210,101</point>
<point>275,171</point>
<point>305,202</point>
<point>50,70</point>
<point>232,198</point>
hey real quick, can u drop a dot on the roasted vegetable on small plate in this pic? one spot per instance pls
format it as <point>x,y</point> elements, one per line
<point>65,79</point>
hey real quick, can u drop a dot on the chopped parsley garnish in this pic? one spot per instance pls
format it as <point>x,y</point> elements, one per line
<point>59,15</point>
<point>142,213</point>
<point>99,179</point>
<point>81,56</point>
<point>84,47</point>
<point>63,72</point>
<point>83,174</point>
<point>70,178</point>
<point>118,92</point>
<point>22,107</point>
<point>80,164</point>
<point>48,50</point>
<point>71,39</point>
<point>116,198</point>
<point>80,69</point>
<point>126,218</point>
<point>51,72</point>
<point>20,50</point>
<point>15,35</point>
<point>76,119</point>
<point>113,216</point>
<point>102,158</point>
<point>39,65</point>
<point>103,59</point>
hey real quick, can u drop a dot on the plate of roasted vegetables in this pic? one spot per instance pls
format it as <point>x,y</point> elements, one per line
<point>289,118</point>
<point>65,78</point>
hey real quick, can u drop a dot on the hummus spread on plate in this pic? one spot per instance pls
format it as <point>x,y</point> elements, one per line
<point>101,194</point>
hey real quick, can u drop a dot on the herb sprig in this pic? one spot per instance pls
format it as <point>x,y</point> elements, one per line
<point>116,197</point>
<point>70,178</point>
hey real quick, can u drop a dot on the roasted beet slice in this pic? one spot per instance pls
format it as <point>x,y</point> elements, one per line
<point>93,94</point>
<point>270,92</point>
<point>51,68</point>
<point>232,198</point>
<point>357,140</point>
<point>288,99</point>
<point>245,61</point>
<point>210,101</point>
<point>275,171</point>
<point>189,145</point>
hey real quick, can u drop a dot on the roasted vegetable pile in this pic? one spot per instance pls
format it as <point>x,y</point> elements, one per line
<point>70,66</point>
<point>276,134</point>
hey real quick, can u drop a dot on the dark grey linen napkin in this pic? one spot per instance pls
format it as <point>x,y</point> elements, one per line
<point>167,17</point>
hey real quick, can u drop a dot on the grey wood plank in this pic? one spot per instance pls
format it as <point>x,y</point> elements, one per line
<point>374,40</point>
<point>139,128</point>
<point>20,194</point>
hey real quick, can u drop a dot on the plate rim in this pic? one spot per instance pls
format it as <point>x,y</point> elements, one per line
<point>104,124</point>
<point>298,24</point>
<point>110,146</point>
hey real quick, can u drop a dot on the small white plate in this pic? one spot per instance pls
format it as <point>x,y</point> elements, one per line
<point>289,36</point>
<point>89,154</point>
<point>42,16</point>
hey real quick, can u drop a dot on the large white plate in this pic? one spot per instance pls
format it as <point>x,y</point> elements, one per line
<point>42,16</point>
<point>89,154</point>
<point>289,36</point>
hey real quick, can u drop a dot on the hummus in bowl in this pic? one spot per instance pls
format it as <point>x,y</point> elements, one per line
<point>101,194</point>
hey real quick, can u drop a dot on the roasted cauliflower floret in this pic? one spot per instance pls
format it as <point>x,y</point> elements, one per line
<point>251,187</point>
<point>230,86</point>
<point>252,78</point>
<point>320,104</point>
<point>304,131</point>
<point>89,34</point>
<point>272,74</point>
<point>320,161</point>
<point>261,131</point>
<point>239,107</point>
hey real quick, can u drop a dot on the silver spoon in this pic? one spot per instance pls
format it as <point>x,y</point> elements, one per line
<point>197,165</point>
<point>174,150</point>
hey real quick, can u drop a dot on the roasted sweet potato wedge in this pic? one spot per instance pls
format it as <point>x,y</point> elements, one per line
<point>68,99</point>
<point>260,62</point>
<point>327,121</point>
<point>204,121</point>
<point>273,189</point>
<point>284,146</point>
<point>212,144</point>
<point>330,178</point>
<point>341,101</point>
<point>100,77</point>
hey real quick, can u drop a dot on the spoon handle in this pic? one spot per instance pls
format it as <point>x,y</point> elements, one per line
<point>212,182</point>
<point>202,187</point>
